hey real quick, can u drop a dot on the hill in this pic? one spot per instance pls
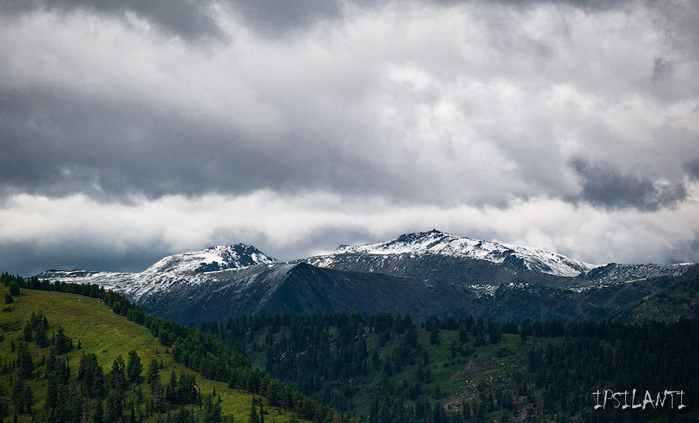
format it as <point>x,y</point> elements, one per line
<point>55,336</point>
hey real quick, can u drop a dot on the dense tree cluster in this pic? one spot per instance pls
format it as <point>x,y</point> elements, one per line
<point>328,356</point>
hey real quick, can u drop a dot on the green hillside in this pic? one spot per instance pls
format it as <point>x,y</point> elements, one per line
<point>93,328</point>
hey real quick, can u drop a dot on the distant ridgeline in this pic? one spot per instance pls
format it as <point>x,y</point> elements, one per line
<point>93,395</point>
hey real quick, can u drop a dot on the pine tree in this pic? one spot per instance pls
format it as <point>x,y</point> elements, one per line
<point>171,391</point>
<point>51,394</point>
<point>28,336</point>
<point>117,378</point>
<point>134,367</point>
<point>98,412</point>
<point>24,362</point>
<point>158,397</point>
<point>254,418</point>
<point>18,395</point>
<point>153,373</point>
<point>132,416</point>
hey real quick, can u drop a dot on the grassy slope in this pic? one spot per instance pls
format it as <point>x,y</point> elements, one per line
<point>108,335</point>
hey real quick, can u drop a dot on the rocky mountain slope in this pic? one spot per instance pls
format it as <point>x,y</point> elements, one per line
<point>421,274</point>
<point>436,243</point>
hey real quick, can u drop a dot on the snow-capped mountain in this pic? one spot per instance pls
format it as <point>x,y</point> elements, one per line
<point>191,268</point>
<point>212,259</point>
<point>439,243</point>
<point>420,273</point>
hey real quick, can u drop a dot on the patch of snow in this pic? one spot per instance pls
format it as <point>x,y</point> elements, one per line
<point>440,243</point>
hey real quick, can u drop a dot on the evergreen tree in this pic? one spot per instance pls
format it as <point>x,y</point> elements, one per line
<point>253,417</point>
<point>51,394</point>
<point>132,415</point>
<point>134,367</point>
<point>158,397</point>
<point>25,363</point>
<point>18,395</point>
<point>171,391</point>
<point>117,378</point>
<point>40,334</point>
<point>153,373</point>
<point>98,412</point>
<point>28,336</point>
<point>62,343</point>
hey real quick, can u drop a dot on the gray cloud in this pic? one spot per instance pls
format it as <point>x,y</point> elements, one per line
<point>26,259</point>
<point>603,185</point>
<point>388,107</point>
<point>277,17</point>
<point>662,69</point>
<point>691,168</point>
<point>190,19</point>
<point>56,142</point>
<point>193,19</point>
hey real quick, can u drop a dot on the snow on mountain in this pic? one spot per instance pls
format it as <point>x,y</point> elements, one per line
<point>440,243</point>
<point>212,259</point>
<point>630,272</point>
<point>190,268</point>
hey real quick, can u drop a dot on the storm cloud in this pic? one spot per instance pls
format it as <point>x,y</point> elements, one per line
<point>299,126</point>
<point>605,186</point>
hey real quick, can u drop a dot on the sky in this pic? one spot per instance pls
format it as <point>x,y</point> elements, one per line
<point>135,129</point>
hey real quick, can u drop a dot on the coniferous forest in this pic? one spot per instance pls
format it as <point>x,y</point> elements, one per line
<point>389,369</point>
<point>344,367</point>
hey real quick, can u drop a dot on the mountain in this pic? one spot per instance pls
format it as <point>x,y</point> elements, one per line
<point>186,269</point>
<point>212,259</point>
<point>616,272</point>
<point>441,244</point>
<point>422,274</point>
<point>680,298</point>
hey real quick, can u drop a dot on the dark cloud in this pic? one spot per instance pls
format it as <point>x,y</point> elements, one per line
<point>57,142</point>
<point>604,185</point>
<point>662,69</point>
<point>26,259</point>
<point>277,17</point>
<point>691,168</point>
<point>593,5</point>
<point>189,19</point>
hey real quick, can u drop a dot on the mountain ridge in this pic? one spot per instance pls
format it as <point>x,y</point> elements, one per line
<point>420,273</point>
<point>441,243</point>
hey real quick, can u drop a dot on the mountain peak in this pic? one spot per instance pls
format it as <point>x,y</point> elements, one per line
<point>220,257</point>
<point>441,243</point>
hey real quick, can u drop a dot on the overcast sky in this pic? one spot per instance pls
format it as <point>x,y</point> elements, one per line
<point>131,129</point>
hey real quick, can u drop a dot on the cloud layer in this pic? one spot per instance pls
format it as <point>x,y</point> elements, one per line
<point>245,117</point>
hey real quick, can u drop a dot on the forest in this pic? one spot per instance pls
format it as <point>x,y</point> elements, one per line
<point>389,369</point>
<point>343,367</point>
